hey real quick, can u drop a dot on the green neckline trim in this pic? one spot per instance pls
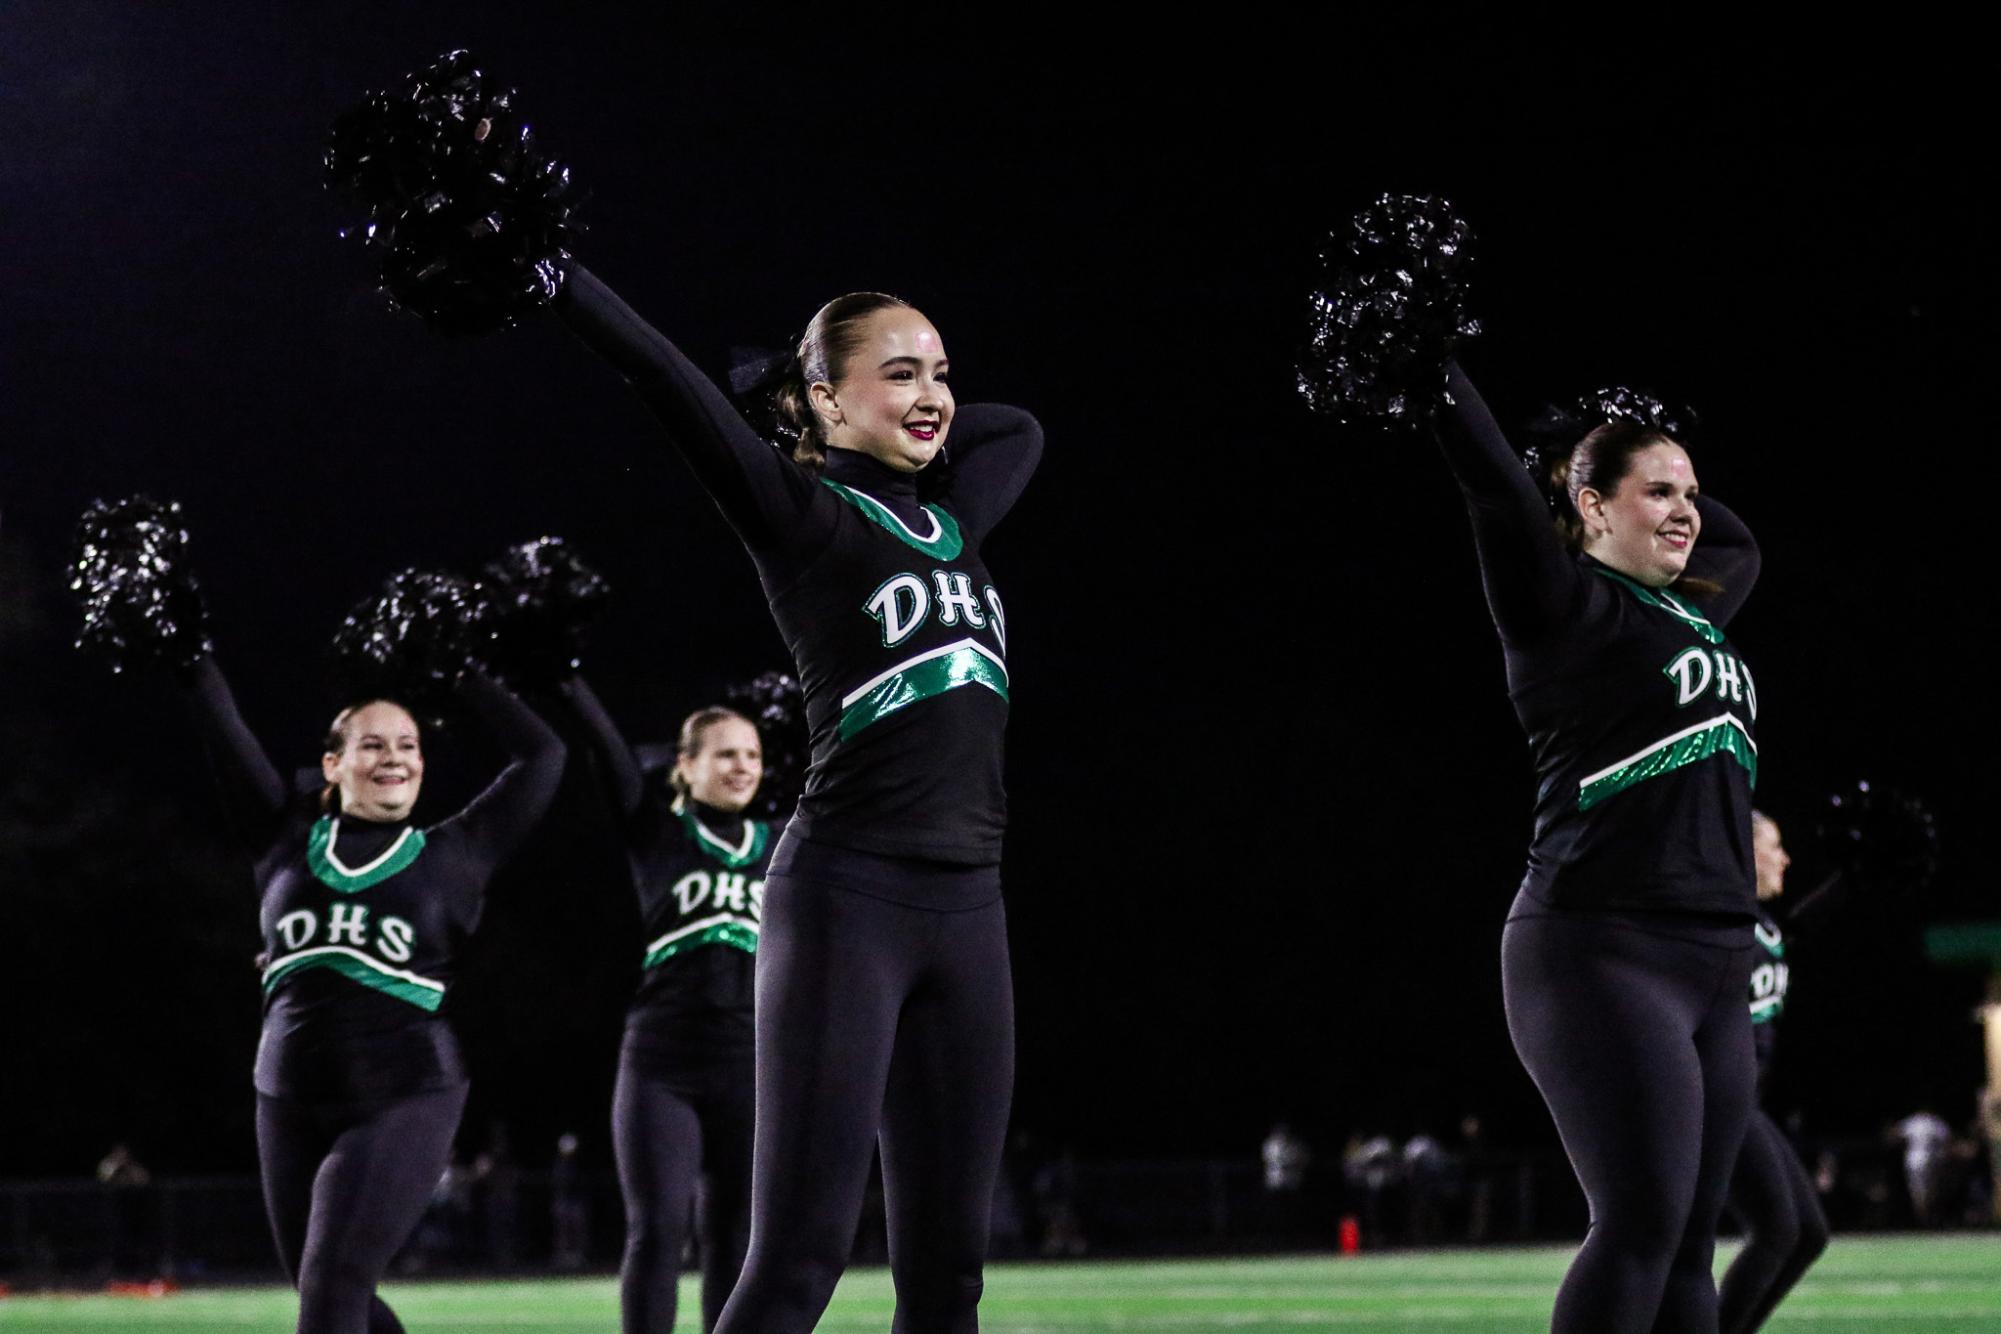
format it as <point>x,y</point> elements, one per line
<point>1719,736</point>
<point>733,932</point>
<point>735,857</point>
<point>928,674</point>
<point>345,880</point>
<point>945,546</point>
<point>1666,601</point>
<point>421,992</point>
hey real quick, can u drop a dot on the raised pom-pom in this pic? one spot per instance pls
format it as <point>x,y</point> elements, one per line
<point>141,602</point>
<point>1620,403</point>
<point>411,641</point>
<point>543,599</point>
<point>777,705</point>
<point>1886,837</point>
<point>469,218</point>
<point>1391,310</point>
<point>1556,430</point>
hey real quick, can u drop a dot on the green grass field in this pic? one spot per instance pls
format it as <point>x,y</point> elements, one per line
<point>1905,1284</point>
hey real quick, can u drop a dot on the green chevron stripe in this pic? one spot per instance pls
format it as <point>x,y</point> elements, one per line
<point>1667,602</point>
<point>421,992</point>
<point>921,679</point>
<point>731,855</point>
<point>945,546</point>
<point>320,858</point>
<point>1721,735</point>
<point>735,933</point>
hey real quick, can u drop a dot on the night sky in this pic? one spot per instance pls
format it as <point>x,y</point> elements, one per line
<point>1269,801</point>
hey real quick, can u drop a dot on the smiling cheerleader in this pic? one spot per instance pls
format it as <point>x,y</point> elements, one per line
<point>363,912</point>
<point>1628,951</point>
<point>885,1009</point>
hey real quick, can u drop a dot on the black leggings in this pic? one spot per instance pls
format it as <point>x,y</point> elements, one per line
<point>344,1188</point>
<point>664,1131</point>
<point>1784,1229</point>
<point>1640,1040</point>
<point>875,1018</point>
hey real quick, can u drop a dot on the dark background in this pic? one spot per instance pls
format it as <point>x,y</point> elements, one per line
<point>1269,800</point>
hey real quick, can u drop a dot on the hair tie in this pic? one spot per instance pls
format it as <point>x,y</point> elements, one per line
<point>757,375</point>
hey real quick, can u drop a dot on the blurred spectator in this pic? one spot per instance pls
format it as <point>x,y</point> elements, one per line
<point>1990,1133</point>
<point>440,1238</point>
<point>129,1220</point>
<point>1285,1158</point>
<point>1479,1174</point>
<point>1927,1159</point>
<point>1056,1200</point>
<point>498,1182</point>
<point>569,1209</point>
<point>1371,1166</point>
<point>1428,1174</point>
<point>120,1168</point>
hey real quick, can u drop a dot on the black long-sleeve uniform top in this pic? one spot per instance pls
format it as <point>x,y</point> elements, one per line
<point>1771,978</point>
<point>1640,714</point>
<point>362,920</point>
<point>898,631</point>
<point>699,876</point>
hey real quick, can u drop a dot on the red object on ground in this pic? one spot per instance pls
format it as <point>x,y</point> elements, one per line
<point>1351,1234</point>
<point>159,1287</point>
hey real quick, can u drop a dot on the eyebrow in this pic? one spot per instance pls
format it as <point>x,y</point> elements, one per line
<point>911,361</point>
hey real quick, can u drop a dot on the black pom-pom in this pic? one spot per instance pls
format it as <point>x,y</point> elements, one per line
<point>1620,403</point>
<point>412,641</point>
<point>1886,837</point>
<point>1390,312</point>
<point>777,705</point>
<point>1560,427</point>
<point>543,599</point>
<point>1556,430</point>
<point>141,603</point>
<point>468,216</point>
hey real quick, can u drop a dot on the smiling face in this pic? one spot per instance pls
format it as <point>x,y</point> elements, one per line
<point>726,768</point>
<point>889,399</point>
<point>1647,524</point>
<point>379,765</point>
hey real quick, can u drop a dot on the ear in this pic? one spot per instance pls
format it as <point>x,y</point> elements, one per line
<point>821,395</point>
<point>329,766</point>
<point>1591,509</point>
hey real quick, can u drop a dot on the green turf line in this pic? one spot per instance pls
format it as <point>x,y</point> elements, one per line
<point>1865,1285</point>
